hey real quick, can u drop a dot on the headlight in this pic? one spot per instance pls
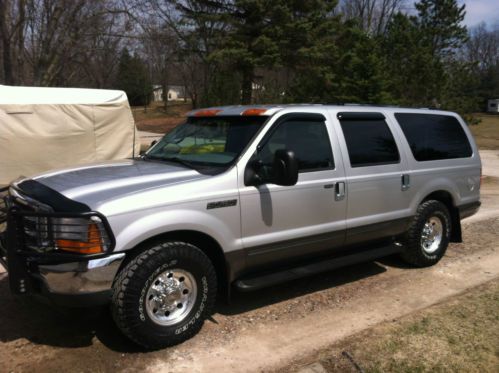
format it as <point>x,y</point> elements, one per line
<point>80,235</point>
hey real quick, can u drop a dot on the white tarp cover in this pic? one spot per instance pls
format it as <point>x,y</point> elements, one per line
<point>46,128</point>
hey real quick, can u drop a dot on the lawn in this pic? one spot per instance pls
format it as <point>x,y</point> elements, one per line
<point>486,133</point>
<point>156,119</point>
<point>460,335</point>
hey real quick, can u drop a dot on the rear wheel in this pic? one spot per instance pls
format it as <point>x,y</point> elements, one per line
<point>428,235</point>
<point>162,297</point>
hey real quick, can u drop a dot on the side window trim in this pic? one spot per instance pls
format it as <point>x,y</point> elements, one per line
<point>309,117</point>
<point>312,117</point>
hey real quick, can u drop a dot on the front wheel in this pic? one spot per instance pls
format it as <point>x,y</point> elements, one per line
<point>162,297</point>
<point>428,235</point>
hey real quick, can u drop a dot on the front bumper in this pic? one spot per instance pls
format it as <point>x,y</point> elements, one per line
<point>469,209</point>
<point>86,282</point>
<point>83,283</point>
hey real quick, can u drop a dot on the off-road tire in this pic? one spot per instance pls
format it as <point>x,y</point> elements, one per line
<point>414,253</point>
<point>128,301</point>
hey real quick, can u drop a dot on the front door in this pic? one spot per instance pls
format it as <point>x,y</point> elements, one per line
<point>283,223</point>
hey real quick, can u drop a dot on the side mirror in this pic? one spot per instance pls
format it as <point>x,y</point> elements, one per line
<point>285,168</point>
<point>251,176</point>
<point>154,142</point>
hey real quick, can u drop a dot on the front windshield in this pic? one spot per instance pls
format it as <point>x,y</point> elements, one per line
<point>207,141</point>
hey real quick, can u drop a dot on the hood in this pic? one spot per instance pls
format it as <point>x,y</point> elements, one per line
<point>98,183</point>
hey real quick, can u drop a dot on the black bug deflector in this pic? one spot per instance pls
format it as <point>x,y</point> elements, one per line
<point>50,197</point>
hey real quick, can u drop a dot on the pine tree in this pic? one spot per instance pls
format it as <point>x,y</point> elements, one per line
<point>412,70</point>
<point>250,34</point>
<point>133,78</point>
<point>441,24</point>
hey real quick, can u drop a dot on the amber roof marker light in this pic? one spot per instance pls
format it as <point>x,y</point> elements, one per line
<point>207,113</point>
<point>254,112</point>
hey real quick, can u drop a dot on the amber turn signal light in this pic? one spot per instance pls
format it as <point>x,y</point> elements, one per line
<point>93,245</point>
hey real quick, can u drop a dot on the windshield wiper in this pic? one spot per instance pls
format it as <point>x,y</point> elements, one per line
<point>180,161</point>
<point>183,162</point>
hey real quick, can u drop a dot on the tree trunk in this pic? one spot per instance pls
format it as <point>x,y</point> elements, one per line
<point>247,86</point>
<point>6,45</point>
<point>7,62</point>
<point>164,87</point>
<point>194,100</point>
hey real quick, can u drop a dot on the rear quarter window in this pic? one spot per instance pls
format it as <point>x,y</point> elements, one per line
<point>434,137</point>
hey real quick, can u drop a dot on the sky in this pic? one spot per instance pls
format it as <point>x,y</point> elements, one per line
<point>481,11</point>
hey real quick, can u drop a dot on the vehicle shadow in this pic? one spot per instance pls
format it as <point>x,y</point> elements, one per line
<point>396,262</point>
<point>45,324</point>
<point>246,301</point>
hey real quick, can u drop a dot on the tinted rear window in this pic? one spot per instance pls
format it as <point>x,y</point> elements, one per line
<point>369,140</point>
<point>433,137</point>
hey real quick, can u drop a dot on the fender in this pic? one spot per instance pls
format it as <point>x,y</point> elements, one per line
<point>435,185</point>
<point>162,222</point>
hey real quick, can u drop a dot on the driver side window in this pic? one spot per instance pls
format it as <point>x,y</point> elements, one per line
<point>309,140</point>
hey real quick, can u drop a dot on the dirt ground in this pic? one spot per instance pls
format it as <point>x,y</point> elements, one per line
<point>264,330</point>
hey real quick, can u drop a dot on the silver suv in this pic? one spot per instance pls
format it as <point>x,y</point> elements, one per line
<point>240,197</point>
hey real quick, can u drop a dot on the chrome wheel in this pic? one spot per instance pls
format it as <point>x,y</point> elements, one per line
<point>171,296</point>
<point>432,234</point>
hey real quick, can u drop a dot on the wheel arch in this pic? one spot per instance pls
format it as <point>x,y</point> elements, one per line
<point>447,199</point>
<point>203,241</point>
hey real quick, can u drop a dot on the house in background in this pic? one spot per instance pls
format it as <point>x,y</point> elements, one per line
<point>175,92</point>
<point>493,106</point>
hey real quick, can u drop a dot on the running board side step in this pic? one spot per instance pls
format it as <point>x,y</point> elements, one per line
<point>257,282</point>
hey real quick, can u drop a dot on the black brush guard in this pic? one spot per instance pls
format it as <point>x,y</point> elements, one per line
<point>21,261</point>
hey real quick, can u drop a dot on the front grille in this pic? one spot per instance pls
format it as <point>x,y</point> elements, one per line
<point>3,209</point>
<point>3,225</point>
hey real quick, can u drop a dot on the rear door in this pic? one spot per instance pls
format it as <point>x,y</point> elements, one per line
<point>377,181</point>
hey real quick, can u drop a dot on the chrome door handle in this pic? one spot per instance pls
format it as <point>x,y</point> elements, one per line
<point>339,191</point>
<point>406,182</point>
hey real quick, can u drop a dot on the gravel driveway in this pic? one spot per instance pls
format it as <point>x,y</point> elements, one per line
<point>262,330</point>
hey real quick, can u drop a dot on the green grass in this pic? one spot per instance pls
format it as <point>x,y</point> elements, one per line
<point>460,335</point>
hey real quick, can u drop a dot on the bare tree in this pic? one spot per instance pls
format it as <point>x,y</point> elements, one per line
<point>57,42</point>
<point>372,15</point>
<point>160,45</point>
<point>12,22</point>
<point>194,38</point>
<point>483,46</point>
